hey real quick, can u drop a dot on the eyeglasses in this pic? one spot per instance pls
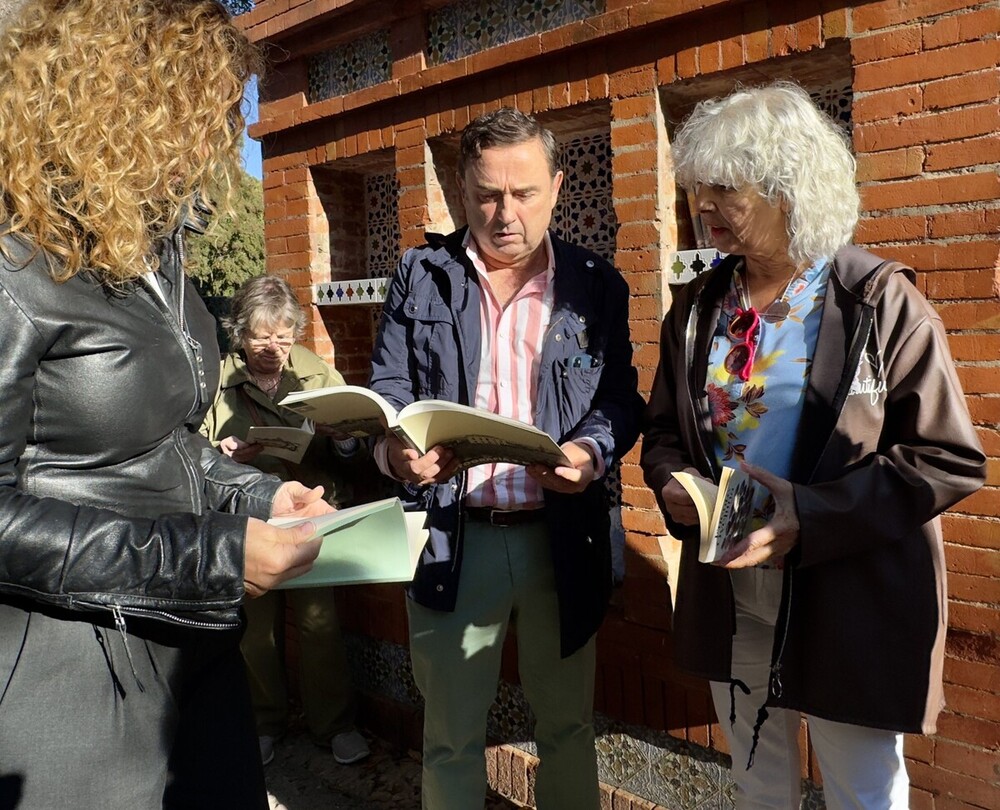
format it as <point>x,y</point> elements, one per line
<point>281,341</point>
<point>744,327</point>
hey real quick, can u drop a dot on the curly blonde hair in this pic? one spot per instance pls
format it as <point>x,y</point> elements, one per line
<point>113,115</point>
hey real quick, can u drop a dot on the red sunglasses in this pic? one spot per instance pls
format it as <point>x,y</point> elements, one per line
<point>743,327</point>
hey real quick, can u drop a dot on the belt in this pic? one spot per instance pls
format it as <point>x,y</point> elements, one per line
<point>504,517</point>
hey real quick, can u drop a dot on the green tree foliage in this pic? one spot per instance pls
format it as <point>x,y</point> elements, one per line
<point>233,249</point>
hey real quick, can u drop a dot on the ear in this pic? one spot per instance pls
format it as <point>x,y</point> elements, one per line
<point>556,184</point>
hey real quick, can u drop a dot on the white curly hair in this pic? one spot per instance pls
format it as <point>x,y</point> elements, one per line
<point>776,140</point>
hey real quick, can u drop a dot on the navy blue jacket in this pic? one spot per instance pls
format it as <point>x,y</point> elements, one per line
<point>428,347</point>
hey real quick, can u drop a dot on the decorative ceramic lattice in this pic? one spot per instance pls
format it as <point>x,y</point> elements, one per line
<point>362,63</point>
<point>382,220</point>
<point>470,26</point>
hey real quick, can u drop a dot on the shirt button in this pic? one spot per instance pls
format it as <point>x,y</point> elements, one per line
<point>439,588</point>
<point>590,262</point>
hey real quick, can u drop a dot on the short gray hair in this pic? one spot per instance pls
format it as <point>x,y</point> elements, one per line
<point>505,127</point>
<point>775,139</point>
<point>265,301</point>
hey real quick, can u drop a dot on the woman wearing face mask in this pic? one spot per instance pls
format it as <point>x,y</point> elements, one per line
<point>127,542</point>
<point>822,370</point>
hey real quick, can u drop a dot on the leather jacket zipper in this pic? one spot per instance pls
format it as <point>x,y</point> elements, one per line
<point>690,335</point>
<point>116,611</point>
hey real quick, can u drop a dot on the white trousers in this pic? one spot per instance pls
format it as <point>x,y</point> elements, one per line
<point>862,767</point>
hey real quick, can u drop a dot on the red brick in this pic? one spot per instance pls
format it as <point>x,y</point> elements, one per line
<point>973,674</point>
<point>929,128</point>
<point>963,223</point>
<point>892,12</point>
<point>968,152</point>
<point>885,44</point>
<point>952,61</point>
<point>980,380</point>
<point>891,229</point>
<point>975,346</point>
<point>932,191</point>
<point>958,91</point>
<point>980,562</point>
<point>639,133</point>
<point>967,760</point>
<point>970,315</point>
<point>890,103</point>
<point>957,786</point>
<point>964,27</point>
<point>951,256</point>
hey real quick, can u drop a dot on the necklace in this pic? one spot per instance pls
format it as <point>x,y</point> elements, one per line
<point>268,384</point>
<point>778,309</point>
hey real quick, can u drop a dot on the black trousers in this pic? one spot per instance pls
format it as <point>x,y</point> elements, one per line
<point>83,726</point>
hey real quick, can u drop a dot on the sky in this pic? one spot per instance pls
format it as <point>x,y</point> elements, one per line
<point>251,148</point>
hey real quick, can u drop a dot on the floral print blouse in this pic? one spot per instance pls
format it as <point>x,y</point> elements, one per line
<point>758,420</point>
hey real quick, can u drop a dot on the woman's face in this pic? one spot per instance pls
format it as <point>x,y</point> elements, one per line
<point>743,222</point>
<point>267,346</point>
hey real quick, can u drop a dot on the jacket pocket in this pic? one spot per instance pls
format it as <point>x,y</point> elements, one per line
<point>576,387</point>
<point>431,326</point>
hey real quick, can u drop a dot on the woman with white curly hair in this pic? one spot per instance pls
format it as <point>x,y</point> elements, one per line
<point>820,370</point>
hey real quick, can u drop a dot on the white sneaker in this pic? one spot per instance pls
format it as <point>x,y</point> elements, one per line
<point>266,743</point>
<point>348,747</point>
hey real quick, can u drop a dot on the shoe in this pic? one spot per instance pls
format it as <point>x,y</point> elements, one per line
<point>266,743</point>
<point>348,747</point>
<point>274,803</point>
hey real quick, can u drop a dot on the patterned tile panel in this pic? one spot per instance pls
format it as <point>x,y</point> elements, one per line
<point>355,65</point>
<point>470,26</point>
<point>382,219</point>
<point>355,291</point>
<point>837,102</point>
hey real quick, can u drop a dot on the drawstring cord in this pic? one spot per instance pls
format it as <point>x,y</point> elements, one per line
<point>733,685</point>
<point>761,717</point>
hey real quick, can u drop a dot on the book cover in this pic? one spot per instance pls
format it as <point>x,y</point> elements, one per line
<point>374,542</point>
<point>476,436</point>
<point>289,443</point>
<point>724,509</point>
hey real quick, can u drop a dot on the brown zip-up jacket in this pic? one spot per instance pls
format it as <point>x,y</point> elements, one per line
<point>884,446</point>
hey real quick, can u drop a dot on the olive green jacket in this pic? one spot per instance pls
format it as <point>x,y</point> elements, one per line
<point>232,415</point>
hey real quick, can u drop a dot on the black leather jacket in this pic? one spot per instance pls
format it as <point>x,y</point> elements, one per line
<point>110,500</point>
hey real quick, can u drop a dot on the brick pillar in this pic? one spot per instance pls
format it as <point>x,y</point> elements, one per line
<point>646,235</point>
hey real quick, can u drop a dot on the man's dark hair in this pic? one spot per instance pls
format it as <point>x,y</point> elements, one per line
<point>505,127</point>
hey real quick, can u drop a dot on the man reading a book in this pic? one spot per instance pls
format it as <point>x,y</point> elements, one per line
<point>505,316</point>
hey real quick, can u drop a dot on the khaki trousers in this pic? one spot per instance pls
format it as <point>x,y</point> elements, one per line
<point>506,576</point>
<point>324,676</point>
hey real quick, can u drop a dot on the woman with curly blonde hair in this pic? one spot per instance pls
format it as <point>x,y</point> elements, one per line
<point>127,543</point>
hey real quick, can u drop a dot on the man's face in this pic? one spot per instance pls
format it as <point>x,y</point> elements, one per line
<point>509,196</point>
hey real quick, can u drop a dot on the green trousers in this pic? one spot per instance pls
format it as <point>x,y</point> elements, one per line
<point>506,576</point>
<point>324,677</point>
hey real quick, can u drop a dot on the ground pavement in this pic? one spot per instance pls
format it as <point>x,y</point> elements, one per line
<point>306,777</point>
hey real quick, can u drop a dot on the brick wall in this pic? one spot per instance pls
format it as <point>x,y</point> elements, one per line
<point>926,119</point>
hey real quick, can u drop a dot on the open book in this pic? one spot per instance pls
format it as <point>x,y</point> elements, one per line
<point>724,510</point>
<point>289,443</point>
<point>475,436</point>
<point>374,542</point>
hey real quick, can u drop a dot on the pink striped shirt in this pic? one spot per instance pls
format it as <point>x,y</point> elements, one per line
<point>512,339</point>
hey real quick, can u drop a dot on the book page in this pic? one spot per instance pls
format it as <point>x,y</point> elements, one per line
<point>477,436</point>
<point>349,409</point>
<point>704,494</point>
<point>375,542</point>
